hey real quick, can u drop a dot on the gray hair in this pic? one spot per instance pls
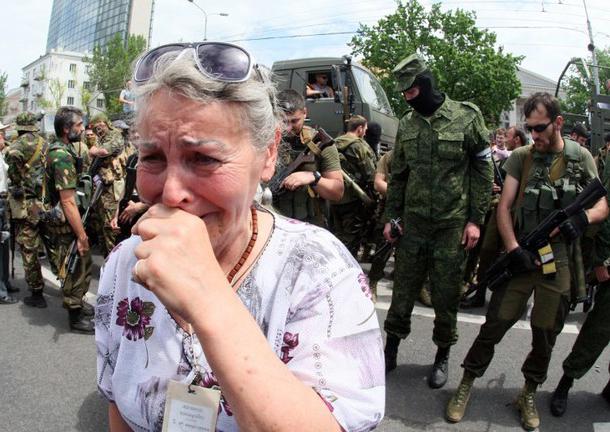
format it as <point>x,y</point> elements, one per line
<point>255,98</point>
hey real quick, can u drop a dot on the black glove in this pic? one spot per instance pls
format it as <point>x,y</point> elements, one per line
<point>522,261</point>
<point>574,226</point>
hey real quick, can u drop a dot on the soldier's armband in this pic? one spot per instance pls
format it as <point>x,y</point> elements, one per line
<point>484,154</point>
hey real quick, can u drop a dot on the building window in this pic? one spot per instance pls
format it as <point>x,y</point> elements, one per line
<point>99,103</point>
<point>71,83</point>
<point>87,85</point>
<point>31,105</point>
<point>70,100</point>
<point>72,67</point>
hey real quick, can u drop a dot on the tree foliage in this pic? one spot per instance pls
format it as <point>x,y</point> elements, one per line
<point>111,67</point>
<point>577,85</point>
<point>463,58</point>
<point>3,101</point>
<point>57,89</point>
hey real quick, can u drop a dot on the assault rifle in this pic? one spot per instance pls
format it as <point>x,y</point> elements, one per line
<point>537,240</point>
<point>321,140</point>
<point>497,174</point>
<point>73,257</point>
<point>387,246</point>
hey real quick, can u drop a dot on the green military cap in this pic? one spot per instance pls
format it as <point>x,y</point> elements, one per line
<point>406,71</point>
<point>100,117</point>
<point>26,121</point>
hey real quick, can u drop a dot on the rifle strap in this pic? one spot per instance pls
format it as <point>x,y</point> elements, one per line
<point>313,148</point>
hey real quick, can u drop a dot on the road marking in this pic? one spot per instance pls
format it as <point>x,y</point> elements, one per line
<point>383,290</point>
<point>52,279</point>
<point>601,427</point>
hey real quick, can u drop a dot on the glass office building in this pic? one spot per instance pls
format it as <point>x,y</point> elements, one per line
<point>80,25</point>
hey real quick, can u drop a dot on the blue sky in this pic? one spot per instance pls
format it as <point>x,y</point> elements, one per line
<point>547,33</point>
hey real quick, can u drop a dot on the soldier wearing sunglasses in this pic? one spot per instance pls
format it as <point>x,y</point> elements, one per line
<point>540,177</point>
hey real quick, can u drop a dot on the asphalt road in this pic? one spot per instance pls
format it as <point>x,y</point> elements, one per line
<point>48,375</point>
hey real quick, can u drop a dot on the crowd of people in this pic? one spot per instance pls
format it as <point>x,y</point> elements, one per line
<point>266,298</point>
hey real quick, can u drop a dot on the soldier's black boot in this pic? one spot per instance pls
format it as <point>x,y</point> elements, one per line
<point>79,323</point>
<point>88,310</point>
<point>606,392</point>
<point>559,400</point>
<point>391,352</point>
<point>440,369</point>
<point>36,299</point>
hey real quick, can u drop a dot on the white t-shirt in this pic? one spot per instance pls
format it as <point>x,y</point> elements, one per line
<point>309,297</point>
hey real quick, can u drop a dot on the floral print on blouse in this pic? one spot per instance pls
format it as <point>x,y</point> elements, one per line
<point>309,298</point>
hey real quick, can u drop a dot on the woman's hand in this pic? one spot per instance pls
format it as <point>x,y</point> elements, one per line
<point>176,260</point>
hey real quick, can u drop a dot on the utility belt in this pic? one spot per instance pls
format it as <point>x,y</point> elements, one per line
<point>58,229</point>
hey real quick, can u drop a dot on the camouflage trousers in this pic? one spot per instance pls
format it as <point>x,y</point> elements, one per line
<point>593,338</point>
<point>105,210</point>
<point>428,252</point>
<point>76,284</point>
<point>29,240</point>
<point>508,304</point>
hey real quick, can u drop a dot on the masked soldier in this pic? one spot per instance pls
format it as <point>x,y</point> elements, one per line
<point>317,178</point>
<point>64,174</point>
<point>25,159</point>
<point>350,214</point>
<point>440,187</point>
<point>110,147</point>
<point>540,178</point>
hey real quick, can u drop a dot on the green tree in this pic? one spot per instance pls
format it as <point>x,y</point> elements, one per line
<point>111,67</point>
<point>463,58</point>
<point>578,87</point>
<point>86,96</point>
<point>3,101</point>
<point>57,89</point>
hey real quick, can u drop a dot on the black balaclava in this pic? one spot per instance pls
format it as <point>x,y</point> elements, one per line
<point>429,98</point>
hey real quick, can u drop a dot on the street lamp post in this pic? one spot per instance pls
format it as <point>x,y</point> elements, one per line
<point>205,14</point>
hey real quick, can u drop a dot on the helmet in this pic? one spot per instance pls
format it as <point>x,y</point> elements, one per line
<point>27,121</point>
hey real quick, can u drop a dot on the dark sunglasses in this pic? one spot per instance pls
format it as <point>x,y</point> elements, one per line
<point>539,127</point>
<point>216,60</point>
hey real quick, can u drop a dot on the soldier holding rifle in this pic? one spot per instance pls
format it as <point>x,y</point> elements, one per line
<point>541,178</point>
<point>317,177</point>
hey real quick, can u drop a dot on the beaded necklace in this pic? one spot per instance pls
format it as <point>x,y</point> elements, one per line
<point>249,248</point>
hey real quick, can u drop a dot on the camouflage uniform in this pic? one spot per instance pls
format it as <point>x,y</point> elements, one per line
<point>112,174</point>
<point>25,159</point>
<point>303,204</point>
<point>62,175</point>
<point>349,215</point>
<point>445,159</point>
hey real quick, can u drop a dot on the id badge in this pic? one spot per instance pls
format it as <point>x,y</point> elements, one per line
<point>190,408</point>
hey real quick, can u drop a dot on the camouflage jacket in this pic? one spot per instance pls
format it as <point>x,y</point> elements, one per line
<point>25,159</point>
<point>358,161</point>
<point>112,168</point>
<point>441,169</point>
<point>61,168</point>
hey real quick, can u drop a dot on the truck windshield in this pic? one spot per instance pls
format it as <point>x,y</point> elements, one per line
<point>371,91</point>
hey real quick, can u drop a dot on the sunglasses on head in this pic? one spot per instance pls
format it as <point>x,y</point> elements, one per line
<point>539,128</point>
<point>216,60</point>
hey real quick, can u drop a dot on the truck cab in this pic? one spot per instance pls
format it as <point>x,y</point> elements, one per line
<point>355,90</point>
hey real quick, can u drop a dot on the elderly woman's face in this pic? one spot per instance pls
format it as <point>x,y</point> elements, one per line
<point>200,159</point>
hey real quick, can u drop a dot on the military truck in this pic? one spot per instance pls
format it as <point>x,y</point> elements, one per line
<point>356,91</point>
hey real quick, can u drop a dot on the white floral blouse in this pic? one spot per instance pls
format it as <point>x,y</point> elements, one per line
<point>307,294</point>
